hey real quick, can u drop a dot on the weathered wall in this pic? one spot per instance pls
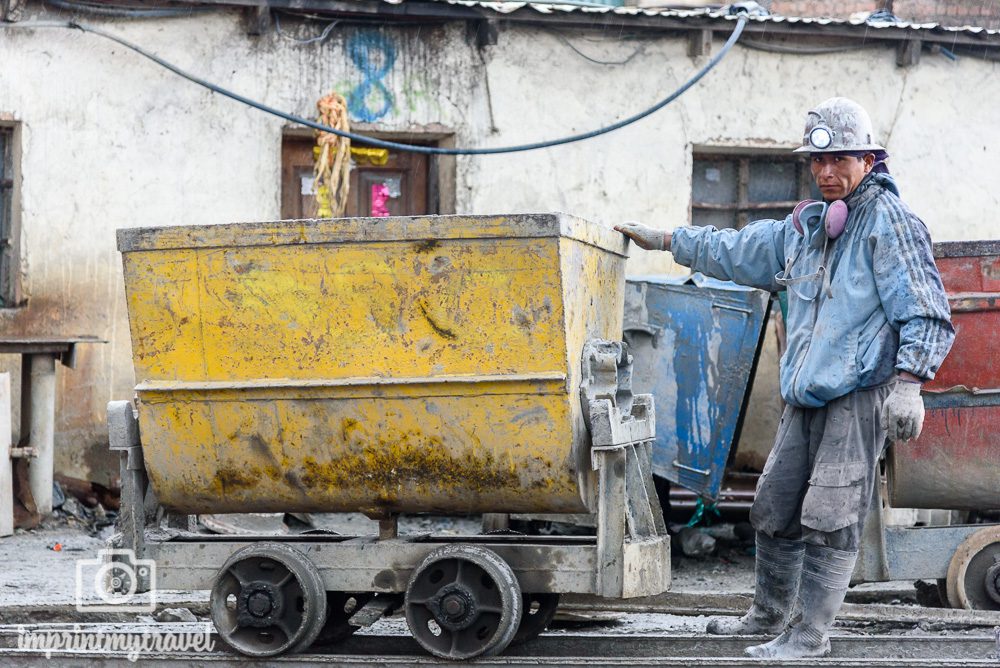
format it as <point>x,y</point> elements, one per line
<point>110,140</point>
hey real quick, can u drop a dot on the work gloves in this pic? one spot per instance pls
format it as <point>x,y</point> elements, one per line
<point>903,412</point>
<point>645,237</point>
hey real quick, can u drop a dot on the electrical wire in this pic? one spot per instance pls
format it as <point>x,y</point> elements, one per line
<point>971,52</point>
<point>803,50</point>
<point>949,54</point>
<point>580,53</point>
<point>821,50</point>
<point>381,143</point>
<point>319,39</point>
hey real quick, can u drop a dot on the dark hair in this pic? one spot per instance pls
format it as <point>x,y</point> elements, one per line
<point>880,157</point>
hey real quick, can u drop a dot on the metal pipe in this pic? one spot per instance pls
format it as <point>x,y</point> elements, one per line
<point>43,419</point>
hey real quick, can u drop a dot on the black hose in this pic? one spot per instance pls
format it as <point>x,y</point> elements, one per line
<point>127,12</point>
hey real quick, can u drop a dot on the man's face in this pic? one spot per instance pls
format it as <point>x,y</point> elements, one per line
<point>838,175</point>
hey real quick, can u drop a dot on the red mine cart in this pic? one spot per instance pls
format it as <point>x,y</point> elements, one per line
<point>955,464</point>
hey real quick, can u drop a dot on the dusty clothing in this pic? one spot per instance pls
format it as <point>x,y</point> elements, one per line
<point>885,310</point>
<point>818,480</point>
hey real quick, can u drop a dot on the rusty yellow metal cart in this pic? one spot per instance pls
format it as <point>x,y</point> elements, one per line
<point>452,364</point>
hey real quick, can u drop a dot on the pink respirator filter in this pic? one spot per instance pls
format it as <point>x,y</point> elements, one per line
<point>833,216</point>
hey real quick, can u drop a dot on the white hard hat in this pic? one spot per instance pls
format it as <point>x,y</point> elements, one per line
<point>836,125</point>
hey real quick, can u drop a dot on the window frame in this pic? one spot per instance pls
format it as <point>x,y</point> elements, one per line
<point>11,295</point>
<point>743,207</point>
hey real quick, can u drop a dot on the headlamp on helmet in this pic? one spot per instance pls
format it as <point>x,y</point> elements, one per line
<point>821,136</point>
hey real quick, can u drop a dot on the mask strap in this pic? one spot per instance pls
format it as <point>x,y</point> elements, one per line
<point>826,272</point>
<point>781,278</point>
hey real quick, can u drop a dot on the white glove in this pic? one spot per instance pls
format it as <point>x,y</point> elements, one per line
<point>903,412</point>
<point>645,237</point>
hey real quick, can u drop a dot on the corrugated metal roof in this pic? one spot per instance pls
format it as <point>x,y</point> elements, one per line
<point>714,13</point>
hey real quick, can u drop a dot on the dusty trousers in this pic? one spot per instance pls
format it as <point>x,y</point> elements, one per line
<point>817,482</point>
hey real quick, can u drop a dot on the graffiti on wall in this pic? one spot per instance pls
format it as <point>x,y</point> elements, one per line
<point>374,54</point>
<point>377,88</point>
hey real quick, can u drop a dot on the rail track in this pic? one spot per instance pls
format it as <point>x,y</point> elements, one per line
<point>555,649</point>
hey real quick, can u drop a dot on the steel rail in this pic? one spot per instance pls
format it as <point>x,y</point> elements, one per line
<point>558,649</point>
<point>233,661</point>
<point>722,603</point>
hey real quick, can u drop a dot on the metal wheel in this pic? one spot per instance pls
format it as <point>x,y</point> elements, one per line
<point>974,572</point>
<point>339,608</point>
<point>268,599</point>
<point>537,611</point>
<point>463,601</point>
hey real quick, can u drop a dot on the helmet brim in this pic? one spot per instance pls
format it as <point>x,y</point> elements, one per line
<point>838,149</point>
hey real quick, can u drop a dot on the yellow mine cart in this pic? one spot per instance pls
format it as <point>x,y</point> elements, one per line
<point>447,364</point>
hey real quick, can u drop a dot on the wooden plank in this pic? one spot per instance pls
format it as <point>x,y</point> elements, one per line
<point>12,10</point>
<point>259,20</point>
<point>6,472</point>
<point>49,340</point>
<point>743,193</point>
<point>699,43</point>
<point>908,53</point>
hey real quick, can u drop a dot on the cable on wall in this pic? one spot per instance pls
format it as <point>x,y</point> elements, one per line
<point>398,146</point>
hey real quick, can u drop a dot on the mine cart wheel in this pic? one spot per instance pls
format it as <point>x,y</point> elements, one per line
<point>537,612</point>
<point>268,599</point>
<point>339,608</point>
<point>974,572</point>
<point>463,601</point>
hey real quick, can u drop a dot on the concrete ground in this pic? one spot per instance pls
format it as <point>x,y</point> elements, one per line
<point>40,567</point>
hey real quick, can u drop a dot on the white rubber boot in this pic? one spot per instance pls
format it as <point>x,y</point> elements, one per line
<point>826,574</point>
<point>778,565</point>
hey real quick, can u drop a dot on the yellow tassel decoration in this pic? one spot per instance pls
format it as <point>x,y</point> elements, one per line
<point>332,162</point>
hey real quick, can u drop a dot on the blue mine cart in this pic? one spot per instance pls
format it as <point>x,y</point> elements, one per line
<point>695,342</point>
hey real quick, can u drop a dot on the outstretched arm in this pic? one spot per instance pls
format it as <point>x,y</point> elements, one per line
<point>751,256</point>
<point>645,237</point>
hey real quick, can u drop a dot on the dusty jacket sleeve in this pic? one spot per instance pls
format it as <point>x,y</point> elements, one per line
<point>751,256</point>
<point>911,291</point>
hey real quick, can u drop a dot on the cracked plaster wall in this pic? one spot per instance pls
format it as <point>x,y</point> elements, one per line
<point>110,140</point>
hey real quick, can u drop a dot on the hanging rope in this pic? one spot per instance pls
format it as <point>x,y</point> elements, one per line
<point>703,512</point>
<point>332,163</point>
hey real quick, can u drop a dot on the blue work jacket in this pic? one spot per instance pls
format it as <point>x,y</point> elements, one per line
<point>880,309</point>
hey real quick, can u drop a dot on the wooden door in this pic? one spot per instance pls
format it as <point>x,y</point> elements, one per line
<point>404,178</point>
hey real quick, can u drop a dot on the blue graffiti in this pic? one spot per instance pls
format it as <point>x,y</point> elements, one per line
<point>374,54</point>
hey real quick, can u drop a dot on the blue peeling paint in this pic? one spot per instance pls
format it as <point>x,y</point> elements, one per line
<point>694,353</point>
<point>374,54</point>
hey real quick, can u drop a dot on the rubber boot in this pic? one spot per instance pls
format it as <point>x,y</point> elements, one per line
<point>826,574</point>
<point>777,568</point>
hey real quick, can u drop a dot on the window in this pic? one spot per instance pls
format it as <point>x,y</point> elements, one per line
<point>733,190</point>
<point>9,237</point>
